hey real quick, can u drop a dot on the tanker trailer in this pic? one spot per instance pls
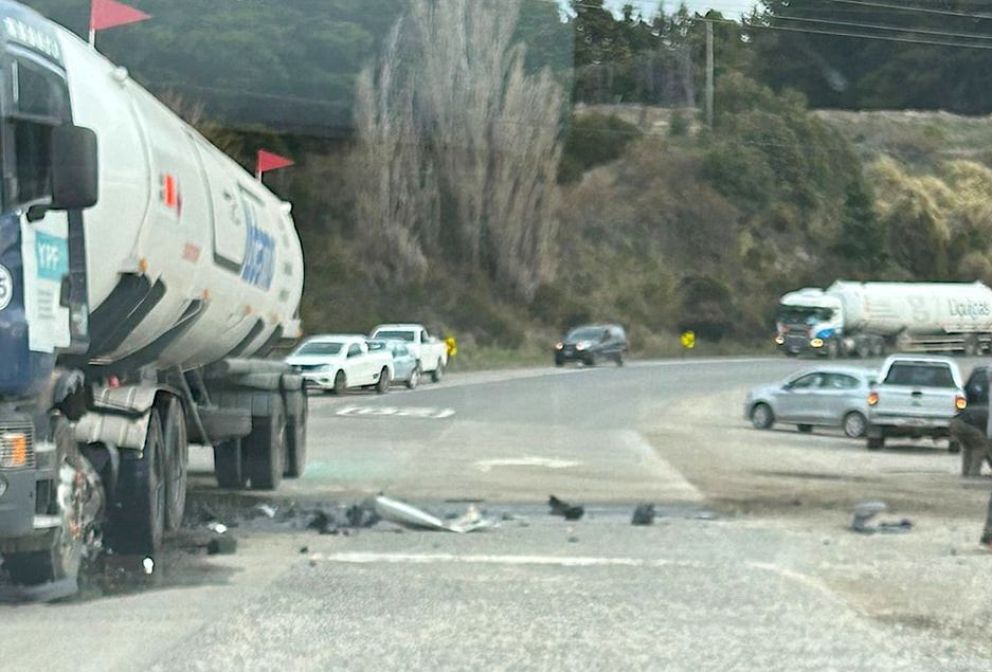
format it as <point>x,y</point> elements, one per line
<point>144,276</point>
<point>870,318</point>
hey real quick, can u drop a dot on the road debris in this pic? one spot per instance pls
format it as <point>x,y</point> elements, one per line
<point>362,516</point>
<point>564,509</point>
<point>217,527</point>
<point>405,515</point>
<point>323,522</point>
<point>866,511</point>
<point>643,515</point>
<point>223,545</point>
<point>265,510</point>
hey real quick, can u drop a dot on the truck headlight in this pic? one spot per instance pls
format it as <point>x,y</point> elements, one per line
<point>816,343</point>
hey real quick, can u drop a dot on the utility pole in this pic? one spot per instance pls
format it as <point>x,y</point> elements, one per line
<point>709,74</point>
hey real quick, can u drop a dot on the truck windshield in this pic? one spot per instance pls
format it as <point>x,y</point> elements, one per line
<point>803,314</point>
<point>917,374</point>
<point>407,336</point>
<point>321,348</point>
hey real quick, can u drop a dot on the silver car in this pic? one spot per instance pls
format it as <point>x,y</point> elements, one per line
<point>405,369</point>
<point>820,397</point>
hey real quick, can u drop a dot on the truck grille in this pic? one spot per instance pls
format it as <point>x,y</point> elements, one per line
<point>16,444</point>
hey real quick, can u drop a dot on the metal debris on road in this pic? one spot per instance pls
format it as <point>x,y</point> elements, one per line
<point>217,527</point>
<point>866,511</point>
<point>643,515</point>
<point>323,522</point>
<point>564,509</point>
<point>265,510</point>
<point>405,515</point>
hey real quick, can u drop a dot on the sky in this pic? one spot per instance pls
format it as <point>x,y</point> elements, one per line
<point>730,8</point>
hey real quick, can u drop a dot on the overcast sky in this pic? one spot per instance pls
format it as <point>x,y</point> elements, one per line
<point>730,8</point>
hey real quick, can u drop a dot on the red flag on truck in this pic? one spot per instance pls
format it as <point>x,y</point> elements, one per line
<point>268,161</point>
<point>110,13</point>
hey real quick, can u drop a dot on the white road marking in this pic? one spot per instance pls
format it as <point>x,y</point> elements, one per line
<point>424,412</point>
<point>545,462</point>
<point>667,477</point>
<point>525,560</point>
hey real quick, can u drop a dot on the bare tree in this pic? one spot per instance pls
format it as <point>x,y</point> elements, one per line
<point>452,102</point>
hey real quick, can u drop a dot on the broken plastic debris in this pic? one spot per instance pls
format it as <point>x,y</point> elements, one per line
<point>217,528</point>
<point>643,515</point>
<point>411,517</point>
<point>865,511</point>
<point>266,510</point>
<point>564,509</point>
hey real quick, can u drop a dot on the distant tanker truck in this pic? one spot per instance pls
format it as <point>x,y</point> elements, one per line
<point>868,319</point>
<point>143,277</point>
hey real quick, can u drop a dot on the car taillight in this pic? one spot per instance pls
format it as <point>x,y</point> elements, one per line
<point>873,398</point>
<point>960,403</point>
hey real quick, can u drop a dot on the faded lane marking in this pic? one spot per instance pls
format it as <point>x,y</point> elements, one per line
<point>426,413</point>
<point>543,462</point>
<point>666,476</point>
<point>519,560</point>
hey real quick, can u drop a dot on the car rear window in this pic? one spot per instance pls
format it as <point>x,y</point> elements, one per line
<point>396,335</point>
<point>917,374</point>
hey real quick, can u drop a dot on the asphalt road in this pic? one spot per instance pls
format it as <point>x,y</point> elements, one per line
<point>749,566</point>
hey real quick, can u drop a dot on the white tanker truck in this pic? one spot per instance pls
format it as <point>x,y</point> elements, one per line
<point>143,276</point>
<point>865,319</point>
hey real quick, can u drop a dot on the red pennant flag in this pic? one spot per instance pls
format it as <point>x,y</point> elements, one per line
<point>268,161</point>
<point>110,13</point>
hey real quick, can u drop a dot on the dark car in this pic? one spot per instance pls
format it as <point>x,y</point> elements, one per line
<point>592,344</point>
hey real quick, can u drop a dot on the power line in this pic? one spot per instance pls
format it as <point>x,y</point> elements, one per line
<point>920,10</point>
<point>864,36</point>
<point>876,26</point>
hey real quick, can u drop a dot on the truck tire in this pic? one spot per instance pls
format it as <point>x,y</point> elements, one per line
<point>137,520</point>
<point>832,349</point>
<point>265,448</point>
<point>414,379</point>
<point>382,386</point>
<point>972,346</point>
<point>176,462</point>
<point>340,383</point>
<point>296,442</point>
<point>61,562</point>
<point>438,373</point>
<point>229,465</point>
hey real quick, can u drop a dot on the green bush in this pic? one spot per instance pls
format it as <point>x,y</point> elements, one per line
<point>594,139</point>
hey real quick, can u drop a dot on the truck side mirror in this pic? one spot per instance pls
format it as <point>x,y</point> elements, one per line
<point>74,168</point>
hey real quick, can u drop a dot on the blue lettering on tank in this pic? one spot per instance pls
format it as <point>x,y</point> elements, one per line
<point>260,258</point>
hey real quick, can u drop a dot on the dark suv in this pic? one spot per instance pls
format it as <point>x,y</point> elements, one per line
<point>592,344</point>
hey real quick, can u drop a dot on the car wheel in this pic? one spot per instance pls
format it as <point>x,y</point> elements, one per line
<point>438,373</point>
<point>383,385</point>
<point>619,359</point>
<point>413,380</point>
<point>855,425</point>
<point>762,416</point>
<point>805,429</point>
<point>340,383</point>
<point>876,442</point>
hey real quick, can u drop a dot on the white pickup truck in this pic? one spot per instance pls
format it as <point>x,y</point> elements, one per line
<point>337,363</point>
<point>431,353</point>
<point>916,396</point>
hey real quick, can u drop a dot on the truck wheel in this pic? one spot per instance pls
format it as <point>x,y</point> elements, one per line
<point>876,442</point>
<point>382,386</point>
<point>176,462</point>
<point>228,465</point>
<point>265,447</point>
<point>833,350</point>
<point>414,379</point>
<point>296,442</point>
<point>438,373</point>
<point>62,561</point>
<point>340,383</point>
<point>972,348</point>
<point>138,518</point>
<point>855,425</point>
<point>762,416</point>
